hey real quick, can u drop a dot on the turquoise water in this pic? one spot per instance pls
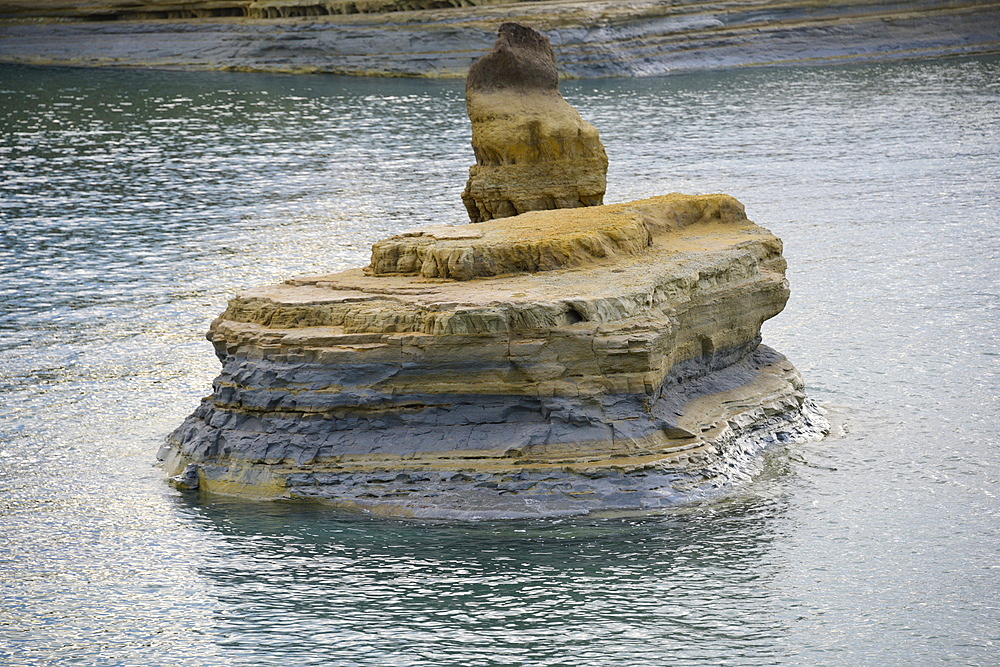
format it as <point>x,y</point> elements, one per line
<point>134,203</point>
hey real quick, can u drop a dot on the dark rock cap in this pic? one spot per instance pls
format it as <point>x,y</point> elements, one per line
<point>520,58</point>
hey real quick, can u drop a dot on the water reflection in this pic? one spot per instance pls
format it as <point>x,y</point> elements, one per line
<point>317,586</point>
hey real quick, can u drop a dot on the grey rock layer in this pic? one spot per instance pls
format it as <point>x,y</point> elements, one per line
<point>292,443</point>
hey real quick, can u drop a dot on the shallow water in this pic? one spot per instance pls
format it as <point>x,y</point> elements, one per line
<point>134,203</point>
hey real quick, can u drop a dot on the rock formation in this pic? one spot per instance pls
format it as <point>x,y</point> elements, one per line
<point>555,362</point>
<point>586,359</point>
<point>533,151</point>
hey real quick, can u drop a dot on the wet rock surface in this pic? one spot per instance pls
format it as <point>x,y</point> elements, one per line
<point>533,150</point>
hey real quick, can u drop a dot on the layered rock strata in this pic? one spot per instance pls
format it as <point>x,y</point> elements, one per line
<point>533,150</point>
<point>558,362</point>
<point>593,38</point>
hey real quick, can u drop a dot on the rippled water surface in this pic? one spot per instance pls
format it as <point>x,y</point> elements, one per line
<point>134,203</point>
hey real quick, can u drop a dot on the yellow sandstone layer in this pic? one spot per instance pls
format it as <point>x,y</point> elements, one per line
<point>543,240</point>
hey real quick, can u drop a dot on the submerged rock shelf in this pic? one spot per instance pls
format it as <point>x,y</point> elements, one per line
<point>608,380</point>
<point>441,38</point>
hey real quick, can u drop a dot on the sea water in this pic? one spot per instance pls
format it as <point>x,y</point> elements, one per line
<point>134,203</point>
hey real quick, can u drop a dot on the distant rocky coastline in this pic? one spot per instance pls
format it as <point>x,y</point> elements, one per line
<point>552,363</point>
<point>441,38</point>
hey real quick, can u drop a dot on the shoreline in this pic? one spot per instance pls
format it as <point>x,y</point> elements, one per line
<point>594,39</point>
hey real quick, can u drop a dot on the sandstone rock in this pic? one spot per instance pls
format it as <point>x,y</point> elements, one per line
<point>623,372</point>
<point>533,150</point>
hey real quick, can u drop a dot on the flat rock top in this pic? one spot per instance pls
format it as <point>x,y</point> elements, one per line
<point>557,239</point>
<point>675,253</point>
<point>662,214</point>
